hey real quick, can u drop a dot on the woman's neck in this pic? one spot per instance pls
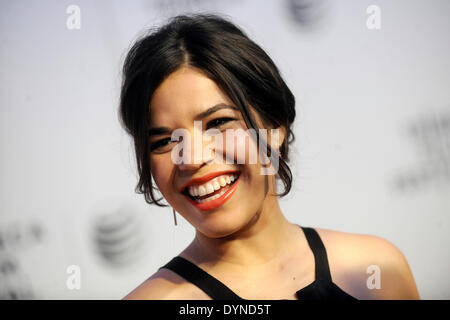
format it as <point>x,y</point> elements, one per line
<point>265,241</point>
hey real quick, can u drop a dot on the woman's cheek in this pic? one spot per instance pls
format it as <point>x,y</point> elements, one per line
<point>160,174</point>
<point>239,144</point>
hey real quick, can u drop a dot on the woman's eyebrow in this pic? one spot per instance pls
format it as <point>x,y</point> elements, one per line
<point>158,131</point>
<point>211,110</point>
<point>204,114</point>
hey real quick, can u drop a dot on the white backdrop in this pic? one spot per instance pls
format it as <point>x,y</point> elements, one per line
<point>372,153</point>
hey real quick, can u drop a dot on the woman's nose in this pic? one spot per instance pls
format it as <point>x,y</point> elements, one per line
<point>195,152</point>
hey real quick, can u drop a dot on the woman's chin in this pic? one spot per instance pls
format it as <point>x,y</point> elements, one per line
<point>220,226</point>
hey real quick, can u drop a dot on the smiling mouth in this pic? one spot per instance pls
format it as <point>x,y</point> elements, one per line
<point>211,190</point>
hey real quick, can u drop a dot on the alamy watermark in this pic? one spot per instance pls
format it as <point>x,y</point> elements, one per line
<point>73,281</point>
<point>374,280</point>
<point>73,21</point>
<point>210,145</point>
<point>373,21</point>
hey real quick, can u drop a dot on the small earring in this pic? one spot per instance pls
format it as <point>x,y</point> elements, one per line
<point>174,216</point>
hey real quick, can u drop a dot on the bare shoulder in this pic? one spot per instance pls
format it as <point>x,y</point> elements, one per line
<point>368,266</point>
<point>165,285</point>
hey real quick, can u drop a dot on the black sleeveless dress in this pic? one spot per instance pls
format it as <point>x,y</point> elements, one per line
<point>322,288</point>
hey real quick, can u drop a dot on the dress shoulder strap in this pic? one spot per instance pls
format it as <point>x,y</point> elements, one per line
<point>210,285</point>
<point>320,254</point>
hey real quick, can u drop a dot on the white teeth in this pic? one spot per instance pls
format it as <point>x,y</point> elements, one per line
<point>211,186</point>
<point>222,182</point>
<point>194,190</point>
<point>201,191</point>
<point>212,197</point>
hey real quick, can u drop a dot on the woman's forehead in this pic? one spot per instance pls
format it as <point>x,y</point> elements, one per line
<point>185,93</point>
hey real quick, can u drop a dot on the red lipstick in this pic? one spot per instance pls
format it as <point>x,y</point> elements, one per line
<point>213,204</point>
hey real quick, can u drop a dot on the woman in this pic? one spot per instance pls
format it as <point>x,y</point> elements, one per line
<point>200,73</point>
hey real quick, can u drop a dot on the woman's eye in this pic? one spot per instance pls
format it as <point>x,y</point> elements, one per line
<point>218,122</point>
<point>159,144</point>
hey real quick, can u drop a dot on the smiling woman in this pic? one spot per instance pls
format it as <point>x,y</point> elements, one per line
<point>204,68</point>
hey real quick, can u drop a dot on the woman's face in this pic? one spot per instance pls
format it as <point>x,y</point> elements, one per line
<point>215,205</point>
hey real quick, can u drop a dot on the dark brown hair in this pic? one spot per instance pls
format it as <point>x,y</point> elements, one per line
<point>226,55</point>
